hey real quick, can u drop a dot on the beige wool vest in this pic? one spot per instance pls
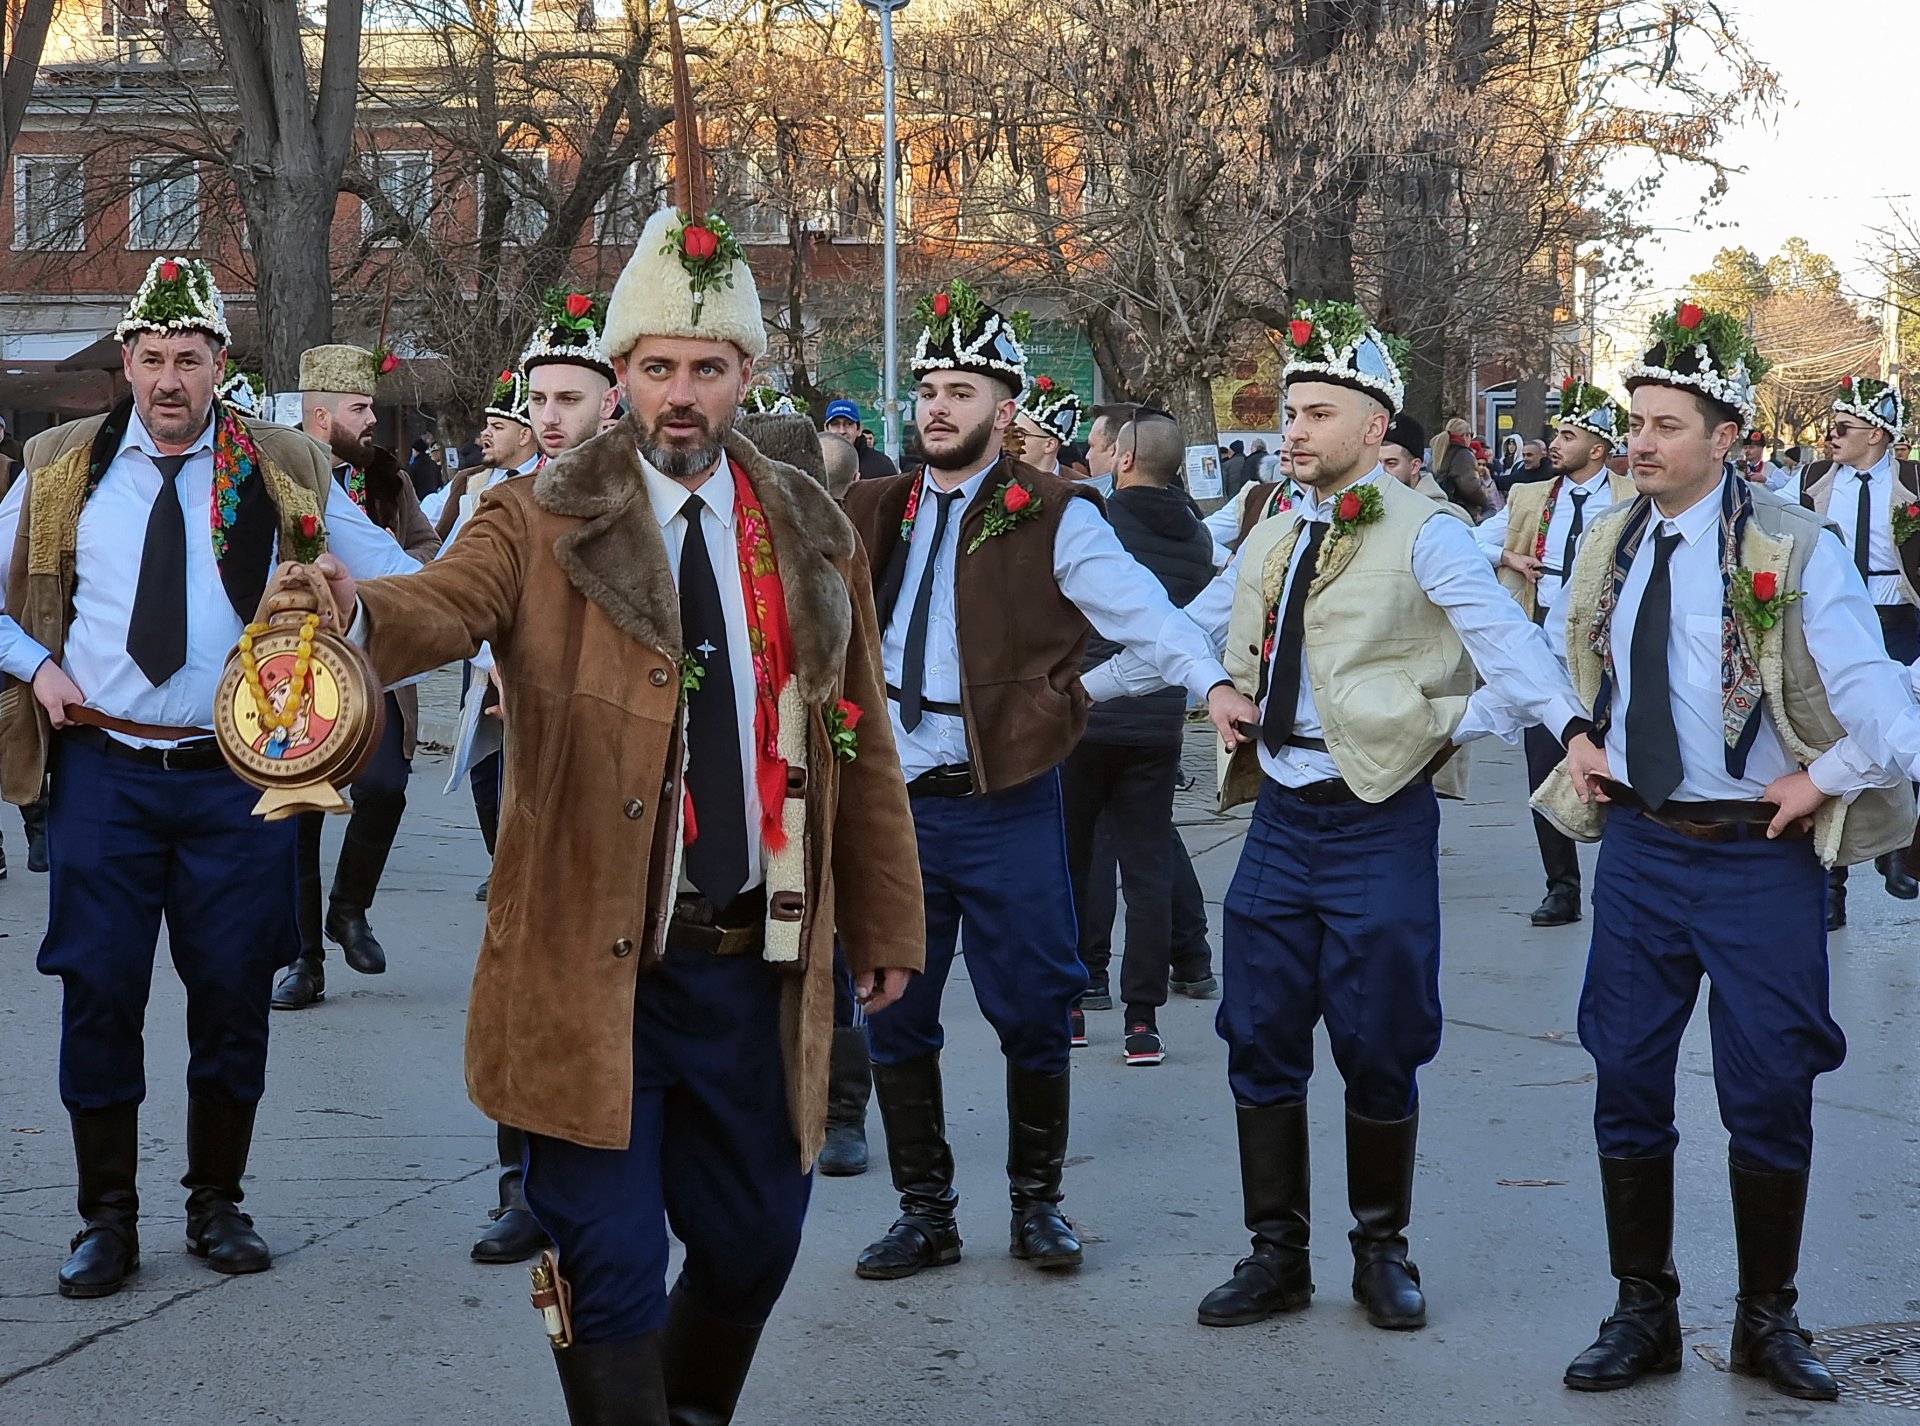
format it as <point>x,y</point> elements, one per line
<point>1525,504</point>
<point>1778,539</point>
<point>1390,678</point>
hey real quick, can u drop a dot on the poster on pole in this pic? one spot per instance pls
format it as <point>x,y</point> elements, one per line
<point>282,406</point>
<point>1203,473</point>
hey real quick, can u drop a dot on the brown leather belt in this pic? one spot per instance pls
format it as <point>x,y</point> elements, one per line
<point>149,732</point>
<point>1713,821</point>
<point>739,928</point>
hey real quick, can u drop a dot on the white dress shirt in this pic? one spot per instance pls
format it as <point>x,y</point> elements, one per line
<point>1525,684</point>
<point>1867,690</point>
<point>1093,569</point>
<point>112,534</point>
<point>1596,495</point>
<point>1843,508</point>
<point>716,525</point>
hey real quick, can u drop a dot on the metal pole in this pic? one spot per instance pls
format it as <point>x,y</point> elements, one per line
<point>889,365</point>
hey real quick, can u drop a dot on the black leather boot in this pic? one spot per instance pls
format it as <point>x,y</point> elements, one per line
<point>1836,898</point>
<point>914,1115</point>
<point>516,1234</point>
<point>488,814</point>
<point>1769,1210</point>
<point>33,815</point>
<point>106,1250</point>
<point>1380,1155</point>
<point>1037,1115</point>
<point>849,1083</point>
<point>219,1135</point>
<point>613,1383</point>
<point>704,1361</point>
<point>363,856</point>
<point>304,982</point>
<point>1274,1184</point>
<point>1562,862</point>
<point>1643,1335</point>
<point>1892,867</point>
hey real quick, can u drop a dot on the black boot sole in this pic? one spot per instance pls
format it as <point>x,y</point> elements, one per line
<point>229,1269</point>
<point>840,1170</point>
<point>1296,1302</point>
<point>1393,1324</point>
<point>890,1272</point>
<point>98,1289</point>
<point>1050,1263</point>
<point>1666,1366</point>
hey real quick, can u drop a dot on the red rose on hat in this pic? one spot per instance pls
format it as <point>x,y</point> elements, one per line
<point>1567,385</point>
<point>388,363</point>
<point>1301,331</point>
<point>1043,383</point>
<point>699,243</point>
<point>309,526</point>
<point>1349,507</point>
<point>578,304</point>
<point>1765,585</point>
<point>1016,499</point>
<point>1846,383</point>
<point>169,270</point>
<point>941,304</point>
<point>1688,316</point>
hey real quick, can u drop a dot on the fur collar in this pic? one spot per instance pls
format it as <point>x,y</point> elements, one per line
<point>617,558</point>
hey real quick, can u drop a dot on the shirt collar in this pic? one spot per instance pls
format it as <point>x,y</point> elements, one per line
<point>1698,519</point>
<point>529,465</point>
<point>1883,467</point>
<point>669,495</point>
<point>1312,508</point>
<point>968,488</point>
<point>1591,484</point>
<point>139,438</point>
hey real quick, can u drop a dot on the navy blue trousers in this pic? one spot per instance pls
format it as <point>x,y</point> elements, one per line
<point>128,845</point>
<point>1751,917</point>
<point>712,1156</point>
<point>995,868</point>
<point>1334,912</point>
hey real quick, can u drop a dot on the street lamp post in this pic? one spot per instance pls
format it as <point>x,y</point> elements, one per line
<point>890,277</point>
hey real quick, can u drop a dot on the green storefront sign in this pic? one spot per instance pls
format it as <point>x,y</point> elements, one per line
<point>1057,349</point>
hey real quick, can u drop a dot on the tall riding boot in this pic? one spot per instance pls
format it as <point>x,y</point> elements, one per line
<point>1274,1184</point>
<point>305,981</point>
<point>363,856</point>
<point>849,1083</point>
<point>1380,1155</point>
<point>704,1361</point>
<point>1769,1210</point>
<point>1561,859</point>
<point>33,815</point>
<point>914,1115</point>
<point>613,1383</point>
<point>1643,1335</point>
<point>516,1234</point>
<point>1037,1106</point>
<point>106,1250</point>
<point>1836,897</point>
<point>219,1136</point>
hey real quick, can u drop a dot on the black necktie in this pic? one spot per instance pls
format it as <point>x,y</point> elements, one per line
<point>913,663</point>
<point>1653,745</point>
<point>157,629</point>
<point>1283,673</point>
<point>1574,527</point>
<point>717,859</point>
<point>1863,528</point>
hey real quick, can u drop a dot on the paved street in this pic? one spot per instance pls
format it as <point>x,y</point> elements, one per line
<point>371,1175</point>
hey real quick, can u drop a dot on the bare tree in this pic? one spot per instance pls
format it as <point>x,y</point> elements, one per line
<point>24,25</point>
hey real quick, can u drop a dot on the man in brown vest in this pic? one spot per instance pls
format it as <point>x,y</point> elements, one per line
<point>990,576</point>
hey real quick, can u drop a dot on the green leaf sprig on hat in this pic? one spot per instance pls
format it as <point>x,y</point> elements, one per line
<point>1724,335</point>
<point>1321,331</point>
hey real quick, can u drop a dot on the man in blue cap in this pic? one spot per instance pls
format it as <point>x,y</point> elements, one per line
<point>843,420</point>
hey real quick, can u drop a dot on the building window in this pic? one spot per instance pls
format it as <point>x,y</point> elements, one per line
<point>640,189</point>
<point>405,179</point>
<point>164,202</point>
<point>49,202</point>
<point>750,197</point>
<point>996,200</point>
<point>527,213</point>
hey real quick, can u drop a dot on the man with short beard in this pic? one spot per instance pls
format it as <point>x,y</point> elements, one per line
<point>337,385</point>
<point>133,554</point>
<point>990,577</point>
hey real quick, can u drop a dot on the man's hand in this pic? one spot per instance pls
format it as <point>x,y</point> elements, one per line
<point>893,984</point>
<point>499,706</point>
<point>53,690</point>
<point>1796,797</point>
<point>1227,708</point>
<point>340,586</point>
<point>1586,762</point>
<point>1524,565</point>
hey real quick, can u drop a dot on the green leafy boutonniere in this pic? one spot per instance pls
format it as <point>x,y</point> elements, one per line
<point>1906,521</point>
<point>1013,505</point>
<point>691,672</point>
<point>1757,595</point>
<point>842,719</point>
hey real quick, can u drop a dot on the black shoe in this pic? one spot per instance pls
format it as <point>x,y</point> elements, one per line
<point>1836,898</point>
<point>1037,1116</point>
<point>34,816</point>
<point>1204,986</point>
<point>1380,1156</point>
<point>1769,1210</point>
<point>1144,1045</point>
<point>849,1085</point>
<point>1099,996</point>
<point>303,984</point>
<point>613,1383</point>
<point>347,928</point>
<point>704,1361</point>
<point>1274,1184</point>
<point>516,1234</point>
<point>219,1137</point>
<point>914,1114</point>
<point>1892,867</point>
<point>480,891</point>
<point>1077,1028</point>
<point>1560,908</point>
<point>106,1251</point>
<point>1642,1337</point>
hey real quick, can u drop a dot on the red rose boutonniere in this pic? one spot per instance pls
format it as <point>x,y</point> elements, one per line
<point>1013,505</point>
<point>1758,597</point>
<point>1356,507</point>
<point>309,539</point>
<point>1906,521</point>
<point>842,719</point>
<point>707,251</point>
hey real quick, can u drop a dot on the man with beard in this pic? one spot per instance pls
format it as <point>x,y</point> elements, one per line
<point>990,576</point>
<point>133,554</point>
<point>337,385</point>
<point>697,802</point>
<point>1532,543</point>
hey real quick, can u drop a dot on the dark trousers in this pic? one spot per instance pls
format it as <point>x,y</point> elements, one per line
<point>996,866</point>
<point>1558,856</point>
<point>1334,912</point>
<point>1751,917</point>
<point>483,778</point>
<point>379,797</point>
<point>712,1156</point>
<point>129,844</point>
<point>1131,788</point>
<point>848,1013</point>
<point>1192,955</point>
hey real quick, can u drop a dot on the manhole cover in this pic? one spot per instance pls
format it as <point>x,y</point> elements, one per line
<point>1880,1363</point>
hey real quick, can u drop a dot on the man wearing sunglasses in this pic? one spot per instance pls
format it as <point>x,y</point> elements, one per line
<point>1865,491</point>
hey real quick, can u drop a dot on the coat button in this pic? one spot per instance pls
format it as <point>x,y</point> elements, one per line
<point>623,947</point>
<point>634,808</point>
<point>659,677</point>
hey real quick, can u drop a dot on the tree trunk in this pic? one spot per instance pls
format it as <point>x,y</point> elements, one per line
<point>1189,400</point>
<point>19,65</point>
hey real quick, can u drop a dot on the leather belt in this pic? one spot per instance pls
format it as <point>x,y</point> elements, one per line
<point>953,780</point>
<point>951,710</point>
<point>1720,820</point>
<point>197,756</point>
<point>1329,793</point>
<point>150,732</point>
<point>739,928</point>
<point>1312,745</point>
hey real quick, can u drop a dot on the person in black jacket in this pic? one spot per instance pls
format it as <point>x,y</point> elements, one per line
<point>1126,764</point>
<point>424,470</point>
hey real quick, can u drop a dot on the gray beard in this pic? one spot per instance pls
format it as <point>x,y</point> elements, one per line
<point>685,462</point>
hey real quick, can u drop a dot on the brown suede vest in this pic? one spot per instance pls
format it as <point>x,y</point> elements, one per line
<point>1021,639</point>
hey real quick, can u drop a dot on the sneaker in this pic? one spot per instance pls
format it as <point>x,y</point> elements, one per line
<point>1098,996</point>
<point>1144,1046</point>
<point>1206,987</point>
<point>1077,1028</point>
<point>480,891</point>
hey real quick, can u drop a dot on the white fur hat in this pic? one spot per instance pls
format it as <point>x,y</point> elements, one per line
<point>657,295</point>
